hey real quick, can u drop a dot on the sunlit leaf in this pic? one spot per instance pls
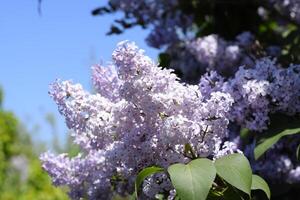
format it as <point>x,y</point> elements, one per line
<point>194,180</point>
<point>235,169</point>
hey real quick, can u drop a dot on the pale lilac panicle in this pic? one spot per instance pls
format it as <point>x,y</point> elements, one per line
<point>215,54</point>
<point>266,88</point>
<point>250,107</point>
<point>148,120</point>
<point>206,49</point>
<point>258,91</point>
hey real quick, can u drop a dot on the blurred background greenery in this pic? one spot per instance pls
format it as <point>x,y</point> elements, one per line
<point>21,175</point>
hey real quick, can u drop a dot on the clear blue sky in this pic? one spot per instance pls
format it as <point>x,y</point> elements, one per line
<point>61,43</point>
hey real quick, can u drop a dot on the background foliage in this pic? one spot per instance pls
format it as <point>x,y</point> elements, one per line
<point>21,175</point>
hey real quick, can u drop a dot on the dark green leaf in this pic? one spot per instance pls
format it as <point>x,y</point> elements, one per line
<point>269,142</point>
<point>259,183</point>
<point>194,180</point>
<point>235,169</point>
<point>280,126</point>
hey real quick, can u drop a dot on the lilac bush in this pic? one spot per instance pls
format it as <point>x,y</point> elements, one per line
<point>218,74</point>
<point>146,119</point>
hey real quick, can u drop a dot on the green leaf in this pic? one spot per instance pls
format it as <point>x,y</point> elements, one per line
<point>269,142</point>
<point>280,126</point>
<point>144,174</point>
<point>259,183</point>
<point>235,169</point>
<point>194,180</point>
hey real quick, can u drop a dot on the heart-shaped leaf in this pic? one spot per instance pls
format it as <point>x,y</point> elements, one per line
<point>236,170</point>
<point>194,180</point>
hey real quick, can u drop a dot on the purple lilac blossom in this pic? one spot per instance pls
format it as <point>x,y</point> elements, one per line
<point>215,54</point>
<point>258,91</point>
<point>192,58</point>
<point>146,119</point>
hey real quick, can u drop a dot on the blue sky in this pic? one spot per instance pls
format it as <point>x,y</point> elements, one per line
<point>61,43</point>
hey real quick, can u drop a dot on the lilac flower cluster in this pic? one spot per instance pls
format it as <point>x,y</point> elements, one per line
<point>257,92</point>
<point>214,53</point>
<point>140,116</point>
